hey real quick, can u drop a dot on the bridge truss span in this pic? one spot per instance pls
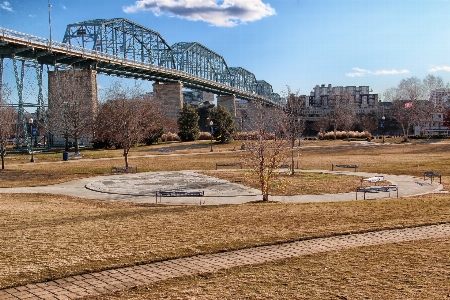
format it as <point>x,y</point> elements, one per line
<point>211,75</point>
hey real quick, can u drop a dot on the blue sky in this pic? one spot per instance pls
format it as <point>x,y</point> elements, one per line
<point>299,43</point>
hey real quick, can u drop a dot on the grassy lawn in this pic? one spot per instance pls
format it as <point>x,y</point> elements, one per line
<point>52,236</point>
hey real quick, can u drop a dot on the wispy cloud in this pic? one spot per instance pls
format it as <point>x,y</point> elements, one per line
<point>362,72</point>
<point>6,6</point>
<point>226,13</point>
<point>439,68</point>
<point>32,16</point>
<point>62,6</point>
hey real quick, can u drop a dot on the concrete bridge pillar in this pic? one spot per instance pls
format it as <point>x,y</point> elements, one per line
<point>170,95</point>
<point>229,102</point>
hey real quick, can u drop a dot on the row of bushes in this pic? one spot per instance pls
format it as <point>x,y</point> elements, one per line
<point>340,135</point>
<point>173,137</point>
<point>252,135</point>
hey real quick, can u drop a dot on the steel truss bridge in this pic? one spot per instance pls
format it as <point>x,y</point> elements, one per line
<point>122,48</point>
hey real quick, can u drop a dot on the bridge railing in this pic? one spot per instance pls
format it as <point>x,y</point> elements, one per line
<point>55,45</point>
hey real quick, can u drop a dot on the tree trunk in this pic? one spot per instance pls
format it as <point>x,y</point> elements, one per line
<point>77,150</point>
<point>125,154</point>
<point>3,157</point>
<point>292,157</point>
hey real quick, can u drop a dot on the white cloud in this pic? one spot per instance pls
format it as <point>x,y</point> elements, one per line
<point>62,6</point>
<point>439,68</point>
<point>223,13</point>
<point>362,72</point>
<point>6,6</point>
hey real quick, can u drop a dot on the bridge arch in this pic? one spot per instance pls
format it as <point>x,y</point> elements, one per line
<point>198,60</point>
<point>121,37</point>
<point>243,79</point>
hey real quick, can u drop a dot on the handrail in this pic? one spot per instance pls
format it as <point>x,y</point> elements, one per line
<point>55,45</point>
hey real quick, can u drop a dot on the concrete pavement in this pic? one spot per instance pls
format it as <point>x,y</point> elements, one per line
<point>141,188</point>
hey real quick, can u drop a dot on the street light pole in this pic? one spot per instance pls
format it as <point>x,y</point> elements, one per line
<point>211,123</point>
<point>382,118</point>
<point>30,121</point>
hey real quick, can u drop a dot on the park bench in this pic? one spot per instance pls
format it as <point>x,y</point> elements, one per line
<point>178,194</point>
<point>123,170</point>
<point>432,175</point>
<point>376,189</point>
<point>333,166</point>
<point>229,165</point>
<point>374,179</point>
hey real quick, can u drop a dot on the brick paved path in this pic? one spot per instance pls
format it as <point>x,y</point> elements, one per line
<point>113,280</point>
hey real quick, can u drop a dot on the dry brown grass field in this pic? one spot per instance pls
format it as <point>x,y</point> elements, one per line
<point>52,236</point>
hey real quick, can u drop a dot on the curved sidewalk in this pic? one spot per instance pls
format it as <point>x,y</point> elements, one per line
<point>125,278</point>
<point>141,188</point>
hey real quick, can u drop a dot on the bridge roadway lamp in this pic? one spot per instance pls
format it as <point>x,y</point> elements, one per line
<point>211,123</point>
<point>30,121</point>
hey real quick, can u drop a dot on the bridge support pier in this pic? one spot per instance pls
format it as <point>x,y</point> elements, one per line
<point>171,97</point>
<point>229,102</point>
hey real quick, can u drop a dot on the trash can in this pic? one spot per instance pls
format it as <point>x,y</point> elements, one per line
<point>65,156</point>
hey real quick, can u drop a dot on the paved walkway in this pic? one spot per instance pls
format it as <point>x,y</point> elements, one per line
<point>141,188</point>
<point>125,278</point>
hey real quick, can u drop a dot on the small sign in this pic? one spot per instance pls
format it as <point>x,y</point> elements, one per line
<point>33,131</point>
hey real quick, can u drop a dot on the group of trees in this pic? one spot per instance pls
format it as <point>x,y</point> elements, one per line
<point>411,103</point>
<point>223,128</point>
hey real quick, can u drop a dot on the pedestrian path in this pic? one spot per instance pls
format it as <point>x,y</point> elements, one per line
<point>125,278</point>
<point>141,188</point>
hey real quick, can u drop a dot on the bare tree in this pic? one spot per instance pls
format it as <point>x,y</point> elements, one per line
<point>405,113</point>
<point>342,109</point>
<point>265,155</point>
<point>72,105</point>
<point>295,120</point>
<point>405,103</point>
<point>432,83</point>
<point>322,124</point>
<point>7,121</point>
<point>368,122</point>
<point>126,119</point>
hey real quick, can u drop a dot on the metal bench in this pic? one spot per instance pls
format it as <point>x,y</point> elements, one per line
<point>432,175</point>
<point>229,165</point>
<point>333,166</point>
<point>178,194</point>
<point>376,189</point>
<point>374,179</point>
<point>124,170</point>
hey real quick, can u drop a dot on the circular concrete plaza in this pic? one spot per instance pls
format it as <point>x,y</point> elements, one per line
<point>142,188</point>
<point>144,184</point>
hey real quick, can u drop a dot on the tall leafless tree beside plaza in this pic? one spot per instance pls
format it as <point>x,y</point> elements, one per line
<point>71,107</point>
<point>8,119</point>
<point>342,109</point>
<point>368,122</point>
<point>295,120</point>
<point>265,154</point>
<point>406,114</point>
<point>126,118</point>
